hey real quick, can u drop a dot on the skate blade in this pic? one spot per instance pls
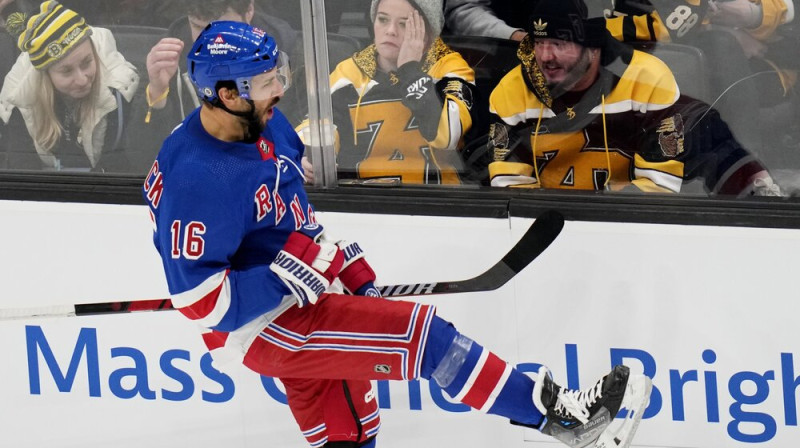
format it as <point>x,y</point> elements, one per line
<point>637,397</point>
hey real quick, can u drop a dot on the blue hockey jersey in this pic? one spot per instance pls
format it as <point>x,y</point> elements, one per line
<point>222,211</point>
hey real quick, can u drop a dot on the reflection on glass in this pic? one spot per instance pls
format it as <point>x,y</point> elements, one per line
<point>402,104</point>
<point>583,111</point>
<point>407,110</point>
<point>719,150</point>
<point>168,96</point>
<point>63,101</point>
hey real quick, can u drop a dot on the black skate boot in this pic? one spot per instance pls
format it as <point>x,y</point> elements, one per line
<point>581,418</point>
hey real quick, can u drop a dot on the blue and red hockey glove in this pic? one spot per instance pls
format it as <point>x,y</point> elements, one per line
<point>307,264</point>
<point>357,275</point>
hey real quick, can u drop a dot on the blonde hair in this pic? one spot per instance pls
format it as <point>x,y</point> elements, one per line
<point>47,127</point>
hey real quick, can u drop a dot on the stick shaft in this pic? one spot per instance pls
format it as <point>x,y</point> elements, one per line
<point>536,239</point>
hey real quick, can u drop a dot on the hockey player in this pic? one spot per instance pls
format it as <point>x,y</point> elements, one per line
<point>168,95</point>
<point>246,259</point>
<point>403,104</point>
<point>583,111</point>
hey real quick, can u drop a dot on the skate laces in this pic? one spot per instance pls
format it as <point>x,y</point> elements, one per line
<point>576,403</point>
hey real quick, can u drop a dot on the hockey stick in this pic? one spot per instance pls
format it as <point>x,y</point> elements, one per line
<point>536,239</point>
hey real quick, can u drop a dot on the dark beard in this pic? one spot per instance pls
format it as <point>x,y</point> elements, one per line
<point>574,75</point>
<point>254,127</point>
<point>254,124</point>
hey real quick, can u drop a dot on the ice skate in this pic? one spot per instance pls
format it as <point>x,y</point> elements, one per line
<point>582,418</point>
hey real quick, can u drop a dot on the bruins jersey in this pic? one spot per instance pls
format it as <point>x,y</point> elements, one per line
<point>630,129</point>
<point>674,20</point>
<point>636,27</point>
<point>774,13</point>
<point>653,20</point>
<point>407,125</point>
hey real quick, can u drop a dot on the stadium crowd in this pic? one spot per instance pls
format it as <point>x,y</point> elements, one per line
<point>661,96</point>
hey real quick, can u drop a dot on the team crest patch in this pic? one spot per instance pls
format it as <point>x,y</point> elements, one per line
<point>670,136</point>
<point>498,139</point>
<point>461,92</point>
<point>383,368</point>
<point>266,148</point>
<point>54,50</point>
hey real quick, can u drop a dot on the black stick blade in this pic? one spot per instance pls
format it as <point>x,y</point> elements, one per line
<point>536,239</point>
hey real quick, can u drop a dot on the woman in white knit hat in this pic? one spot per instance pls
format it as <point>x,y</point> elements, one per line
<point>63,99</point>
<point>403,104</point>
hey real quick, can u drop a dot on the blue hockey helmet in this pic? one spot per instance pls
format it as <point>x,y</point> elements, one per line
<point>234,51</point>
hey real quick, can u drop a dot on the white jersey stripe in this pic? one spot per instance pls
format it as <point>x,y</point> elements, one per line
<point>191,296</point>
<point>660,178</point>
<point>422,340</point>
<point>205,292</point>
<point>454,125</point>
<point>472,376</point>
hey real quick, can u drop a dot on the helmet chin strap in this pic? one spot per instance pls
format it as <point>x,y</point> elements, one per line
<point>254,127</point>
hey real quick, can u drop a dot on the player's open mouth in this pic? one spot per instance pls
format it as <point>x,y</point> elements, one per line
<point>270,111</point>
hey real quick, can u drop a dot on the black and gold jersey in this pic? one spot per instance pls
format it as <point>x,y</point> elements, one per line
<point>407,125</point>
<point>654,20</point>
<point>673,20</point>
<point>591,144</point>
<point>637,27</point>
<point>630,129</point>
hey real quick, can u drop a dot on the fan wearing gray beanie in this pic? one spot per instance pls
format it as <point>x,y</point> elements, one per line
<point>402,105</point>
<point>430,10</point>
<point>422,26</point>
<point>583,111</point>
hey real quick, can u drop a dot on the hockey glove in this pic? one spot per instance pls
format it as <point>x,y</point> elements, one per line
<point>308,265</point>
<point>357,275</point>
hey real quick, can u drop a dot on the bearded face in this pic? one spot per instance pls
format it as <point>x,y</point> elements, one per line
<point>565,65</point>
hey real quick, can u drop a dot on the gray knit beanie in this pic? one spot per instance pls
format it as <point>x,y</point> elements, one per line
<point>431,10</point>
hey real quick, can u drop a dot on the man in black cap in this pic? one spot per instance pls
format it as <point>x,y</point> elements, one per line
<point>583,111</point>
